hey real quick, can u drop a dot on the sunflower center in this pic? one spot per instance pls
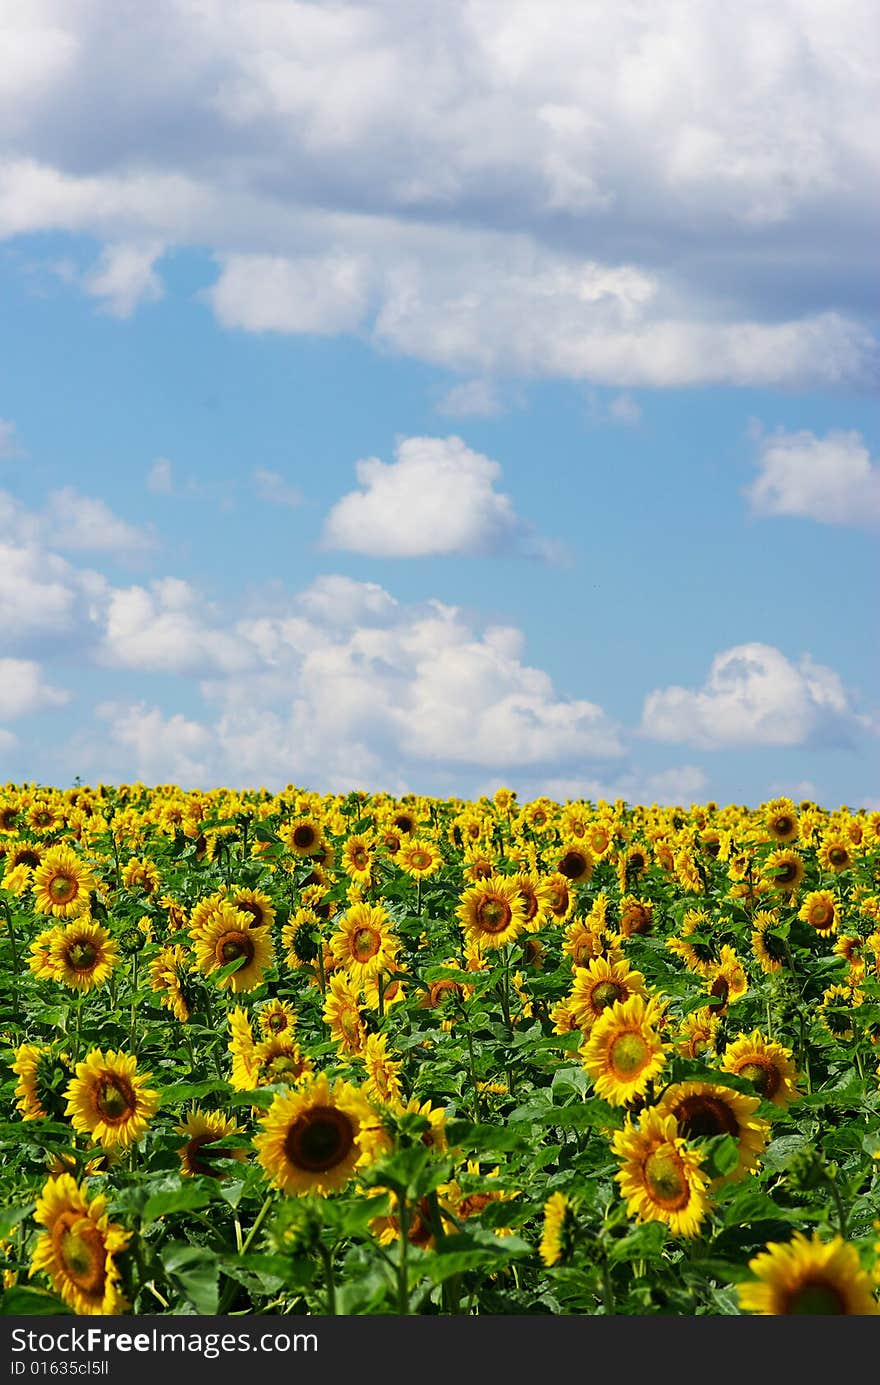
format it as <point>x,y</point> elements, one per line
<point>494,915</point>
<point>319,1139</point>
<point>821,914</point>
<point>80,1249</point>
<point>365,943</point>
<point>558,900</point>
<point>782,826</point>
<point>421,860</point>
<point>838,856</point>
<point>628,1054</point>
<point>62,888</point>
<point>531,900</point>
<point>701,1117</point>
<point>763,1074</point>
<point>82,956</point>
<point>573,865</point>
<point>664,1178</point>
<point>304,836</point>
<point>254,910</point>
<point>199,1156</point>
<point>606,993</point>
<point>786,873</point>
<point>114,1099</point>
<point>442,990</point>
<point>234,945</point>
<point>360,859</point>
<point>282,1067</point>
<point>27,858</point>
<point>815,1296</point>
<point>636,919</point>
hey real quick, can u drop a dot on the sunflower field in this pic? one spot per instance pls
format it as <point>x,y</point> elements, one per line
<point>351,1054</point>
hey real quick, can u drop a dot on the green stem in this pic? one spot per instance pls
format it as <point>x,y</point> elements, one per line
<point>607,1289</point>
<point>327,1257</point>
<point>13,943</point>
<point>478,1105</point>
<point>402,1262</point>
<point>134,996</point>
<point>838,1203</point>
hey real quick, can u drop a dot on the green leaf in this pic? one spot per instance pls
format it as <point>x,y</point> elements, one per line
<point>196,1270</point>
<point>186,1197</point>
<point>11,1216</point>
<point>21,1299</point>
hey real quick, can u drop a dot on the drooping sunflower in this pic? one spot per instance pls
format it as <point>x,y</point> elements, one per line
<point>704,1109</point>
<point>582,943</point>
<point>835,1007</point>
<point>77,1250</point>
<point>631,866</point>
<point>698,956</point>
<point>226,938</point>
<point>202,1154</point>
<point>62,884</point>
<point>364,942</point>
<point>660,1175</point>
<point>624,1050</point>
<point>560,897</point>
<point>109,1100</point>
<point>808,1276</point>
<point>784,870</point>
<point>42,1077</point>
<point>83,955</point>
<point>383,1072</point>
<point>768,944</point>
<point>727,980</point>
<point>819,910</point>
<point>599,984</point>
<point>170,978</point>
<point>765,1063</point>
<point>635,916</point>
<point>557,1233</point>
<point>493,912</point>
<point>141,874</point>
<point>313,1139</point>
<point>698,1032</point>
<point>342,1014</point>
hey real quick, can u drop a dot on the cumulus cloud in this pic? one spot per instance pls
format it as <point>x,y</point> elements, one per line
<point>831,479</point>
<point>431,186</point>
<point>125,277</point>
<point>166,629</point>
<point>470,399</point>
<point>438,497</point>
<point>755,696</point>
<point>72,523</point>
<point>23,689</point>
<point>155,747</point>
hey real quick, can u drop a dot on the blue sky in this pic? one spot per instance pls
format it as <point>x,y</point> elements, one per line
<point>398,406</point>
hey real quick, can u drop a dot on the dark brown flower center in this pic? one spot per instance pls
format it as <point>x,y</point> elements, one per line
<point>63,888</point>
<point>573,865</point>
<point>79,1247</point>
<point>319,1139</point>
<point>700,1117</point>
<point>82,956</point>
<point>114,1099</point>
<point>494,915</point>
<point>763,1073</point>
<point>815,1296</point>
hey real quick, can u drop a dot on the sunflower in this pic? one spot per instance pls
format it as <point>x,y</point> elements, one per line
<point>557,1234</point>
<point>170,978</point>
<point>835,852</point>
<point>698,957</point>
<point>257,905</point>
<point>768,945</point>
<point>17,880</point>
<point>241,1046</point>
<point>277,1059</point>
<point>201,1154</point>
<point>300,937</point>
<point>631,866</point>
<point>364,942</point>
<point>765,1063</point>
<point>78,1248</point>
<point>276,1017</point>
<point>42,1077</point>
<point>781,820</point>
<point>109,1100</point>
<point>660,1175</point>
<point>624,1051</point>
<point>383,1072</point>
<point>492,913</point>
<point>819,910</point>
<point>599,984</point>
<point>784,870</point>
<point>575,862</point>
<point>635,916</point>
<point>342,1014</point>
<point>852,949</point>
<point>809,1277</point>
<point>727,981</point>
<point>560,897</point>
<point>227,937</point>
<point>704,1109</point>
<point>357,859</point>
<point>837,1002</point>
<point>698,1032</point>
<point>62,884</point>
<point>83,955</point>
<point>40,960</point>
<point>599,838</point>
<point>304,837</point>
<point>537,895</point>
<point>312,1139</point>
<point>420,859</point>
<point>28,854</point>
<point>143,875</point>
<point>582,943</point>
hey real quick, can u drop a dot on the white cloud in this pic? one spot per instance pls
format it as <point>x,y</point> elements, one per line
<point>682,784</point>
<point>159,478</point>
<point>164,629</point>
<point>470,399</point>
<point>272,487</point>
<point>71,523</point>
<point>754,696</point>
<point>438,497</point>
<point>432,186</point>
<point>125,277</point>
<point>624,409</point>
<point>830,479</point>
<point>23,689</point>
<point>9,443</point>
<point>156,748</point>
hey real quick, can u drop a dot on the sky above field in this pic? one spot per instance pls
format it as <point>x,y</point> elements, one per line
<point>428,397</point>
